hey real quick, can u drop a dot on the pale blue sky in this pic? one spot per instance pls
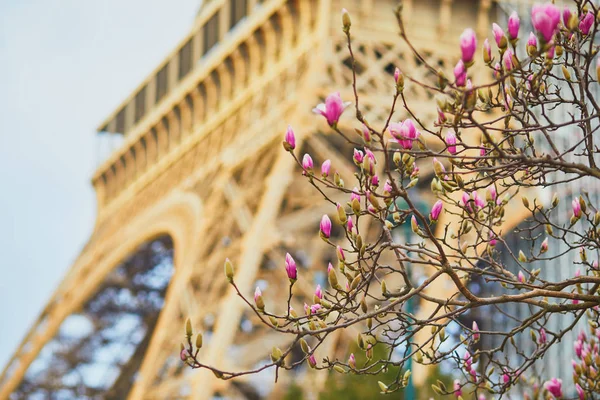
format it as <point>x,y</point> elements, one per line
<point>64,66</point>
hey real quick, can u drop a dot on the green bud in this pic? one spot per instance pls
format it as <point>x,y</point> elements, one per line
<point>188,328</point>
<point>229,270</point>
<point>522,257</point>
<point>304,346</point>
<point>383,287</point>
<point>383,387</point>
<point>346,22</point>
<point>199,341</point>
<point>276,354</point>
<point>339,369</point>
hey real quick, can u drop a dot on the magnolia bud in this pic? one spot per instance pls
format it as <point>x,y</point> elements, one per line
<point>304,346</point>
<point>199,341</point>
<point>522,256</point>
<point>346,22</point>
<point>188,328</point>
<point>525,201</point>
<point>566,73</point>
<point>229,270</point>
<point>383,287</point>
<point>341,214</point>
<point>555,200</point>
<point>383,387</point>
<point>276,354</point>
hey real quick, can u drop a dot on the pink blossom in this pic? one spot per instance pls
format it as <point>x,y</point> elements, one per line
<point>513,25</point>
<point>387,186</point>
<point>492,192</point>
<point>358,156</point>
<point>325,226</point>
<point>532,41</point>
<point>441,117</point>
<point>521,277</point>
<point>586,23</point>
<point>340,253</point>
<point>492,239</point>
<point>350,224</point>
<point>498,35</point>
<point>460,73</point>
<point>475,329</point>
<point>554,386</point>
<point>576,207</point>
<point>307,163</point>
<point>312,361</point>
<point>544,246</point>
<point>468,45</point>
<point>404,132</point>
<point>545,19</point>
<point>507,59</point>
<point>396,74</point>
<point>366,133</point>
<point>451,142</point>
<point>325,167</point>
<point>595,266</point>
<point>468,360</point>
<point>332,109</point>
<point>506,378</point>
<point>497,72</point>
<point>375,181</point>
<point>315,308</point>
<point>566,16</point>
<point>290,267</point>
<point>352,361</point>
<point>578,348</point>
<point>436,210</point>
<point>479,201</point>
<point>543,338</point>
<point>319,292</point>
<point>457,388</point>
<point>290,139</point>
<point>355,195</point>
<point>487,51</point>
<point>580,392</point>
<point>183,355</point>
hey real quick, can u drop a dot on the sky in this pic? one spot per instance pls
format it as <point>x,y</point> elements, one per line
<point>64,66</point>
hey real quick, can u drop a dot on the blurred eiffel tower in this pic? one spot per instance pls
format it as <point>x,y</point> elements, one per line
<point>196,173</point>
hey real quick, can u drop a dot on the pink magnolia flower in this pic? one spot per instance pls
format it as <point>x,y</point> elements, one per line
<point>499,35</point>
<point>404,132</point>
<point>532,41</point>
<point>497,72</point>
<point>492,239</point>
<point>576,207</point>
<point>436,210</point>
<point>332,109</point>
<point>325,226</point>
<point>290,139</point>
<point>468,45</point>
<point>468,360</point>
<point>578,348</point>
<point>352,361</point>
<point>544,246</point>
<point>457,388</point>
<point>340,253</point>
<point>460,73</point>
<point>307,163</point>
<point>396,74</point>
<point>312,361</point>
<point>507,59</point>
<point>595,266</point>
<point>566,16</point>
<point>355,195</point>
<point>375,181</point>
<point>580,392</point>
<point>325,167</point>
<point>586,23</point>
<point>306,309</point>
<point>554,386</point>
<point>506,378</point>
<point>258,300</point>
<point>366,133</point>
<point>487,51</point>
<point>290,267</point>
<point>545,19</point>
<point>350,224</point>
<point>183,354</point>
<point>521,277</point>
<point>476,334</point>
<point>441,117</point>
<point>319,292</point>
<point>451,142</point>
<point>492,192</point>
<point>513,25</point>
<point>387,186</point>
<point>543,338</point>
<point>358,157</point>
<point>315,308</point>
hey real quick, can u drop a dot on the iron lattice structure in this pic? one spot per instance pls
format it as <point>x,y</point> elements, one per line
<point>199,175</point>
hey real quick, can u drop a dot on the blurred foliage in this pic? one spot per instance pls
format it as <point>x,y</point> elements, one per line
<point>359,387</point>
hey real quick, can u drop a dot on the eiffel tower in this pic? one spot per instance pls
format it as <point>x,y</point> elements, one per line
<point>199,175</point>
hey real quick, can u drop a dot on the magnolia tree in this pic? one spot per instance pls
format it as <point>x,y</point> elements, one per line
<point>494,147</point>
